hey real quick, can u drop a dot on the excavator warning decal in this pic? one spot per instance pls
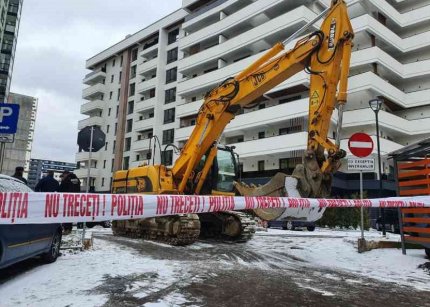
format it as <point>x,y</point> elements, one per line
<point>315,98</point>
<point>332,35</point>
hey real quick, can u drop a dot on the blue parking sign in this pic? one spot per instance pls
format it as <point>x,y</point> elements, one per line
<point>9,113</point>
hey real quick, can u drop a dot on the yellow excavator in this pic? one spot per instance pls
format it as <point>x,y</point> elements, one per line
<point>204,167</point>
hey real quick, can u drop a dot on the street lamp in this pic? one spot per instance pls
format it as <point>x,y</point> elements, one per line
<point>376,105</point>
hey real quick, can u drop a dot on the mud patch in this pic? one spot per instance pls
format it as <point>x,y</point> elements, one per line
<point>425,267</point>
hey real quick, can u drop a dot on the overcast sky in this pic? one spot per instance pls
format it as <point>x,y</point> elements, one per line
<point>55,39</point>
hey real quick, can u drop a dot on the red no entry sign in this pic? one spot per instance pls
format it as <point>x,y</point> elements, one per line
<point>360,145</point>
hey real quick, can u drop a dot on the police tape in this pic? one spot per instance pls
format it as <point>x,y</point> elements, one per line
<point>46,208</point>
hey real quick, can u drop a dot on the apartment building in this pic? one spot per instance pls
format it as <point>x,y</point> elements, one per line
<point>153,82</point>
<point>18,153</point>
<point>10,14</point>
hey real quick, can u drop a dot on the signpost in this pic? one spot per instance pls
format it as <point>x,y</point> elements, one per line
<point>361,146</point>
<point>9,114</point>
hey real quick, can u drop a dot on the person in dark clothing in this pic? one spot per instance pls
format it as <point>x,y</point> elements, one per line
<point>70,183</point>
<point>47,184</point>
<point>19,171</point>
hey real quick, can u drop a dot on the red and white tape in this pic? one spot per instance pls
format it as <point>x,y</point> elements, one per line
<point>45,208</point>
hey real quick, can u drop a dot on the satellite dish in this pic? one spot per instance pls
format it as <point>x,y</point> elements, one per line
<point>84,139</point>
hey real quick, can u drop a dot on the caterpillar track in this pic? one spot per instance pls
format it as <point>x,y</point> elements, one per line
<point>180,230</point>
<point>174,230</point>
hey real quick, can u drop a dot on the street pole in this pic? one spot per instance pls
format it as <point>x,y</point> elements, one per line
<point>362,209</point>
<point>88,176</point>
<point>380,172</point>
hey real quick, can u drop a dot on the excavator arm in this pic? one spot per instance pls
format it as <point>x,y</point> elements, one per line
<point>325,55</point>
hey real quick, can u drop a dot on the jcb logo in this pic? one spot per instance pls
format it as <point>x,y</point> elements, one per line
<point>259,78</point>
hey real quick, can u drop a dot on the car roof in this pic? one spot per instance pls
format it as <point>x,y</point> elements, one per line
<point>11,184</point>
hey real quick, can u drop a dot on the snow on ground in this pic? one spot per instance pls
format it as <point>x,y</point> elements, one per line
<point>68,281</point>
<point>95,277</point>
<point>337,249</point>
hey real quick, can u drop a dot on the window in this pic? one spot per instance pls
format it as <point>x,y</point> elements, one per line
<point>134,54</point>
<point>170,95</point>
<point>130,107</point>
<point>133,72</point>
<point>171,75</point>
<point>167,157</point>
<point>103,182</point>
<point>116,116</point>
<point>283,163</point>
<point>169,116</point>
<point>119,94</point>
<point>104,163</point>
<point>112,78</point>
<point>289,99</point>
<point>111,167</point>
<point>129,125</point>
<point>113,63</point>
<point>173,36</point>
<point>261,166</point>
<point>261,135</point>
<point>168,136</point>
<point>127,145</point>
<point>113,147</point>
<point>152,93</point>
<point>107,128</point>
<point>132,89</point>
<point>106,145</point>
<point>289,163</point>
<point>283,131</point>
<point>126,163</point>
<point>172,55</point>
<point>116,128</point>
<point>110,95</point>
<point>109,111</point>
<point>120,77</point>
<point>122,60</point>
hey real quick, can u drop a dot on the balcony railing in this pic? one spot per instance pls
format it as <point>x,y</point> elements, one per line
<point>204,9</point>
<point>96,71</point>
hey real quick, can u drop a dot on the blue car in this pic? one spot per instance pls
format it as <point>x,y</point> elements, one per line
<point>20,242</point>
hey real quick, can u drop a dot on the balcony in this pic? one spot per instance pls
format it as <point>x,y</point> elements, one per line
<point>188,109</point>
<point>83,172</point>
<point>269,116</point>
<point>83,156</point>
<point>144,124</point>
<point>277,29</point>
<point>141,145</point>
<point>93,91</point>
<point>148,65</point>
<point>271,145</point>
<point>89,107</point>
<point>183,134</point>
<point>149,52</point>
<point>146,85</point>
<point>145,105</point>
<point>95,76</point>
<point>91,121</point>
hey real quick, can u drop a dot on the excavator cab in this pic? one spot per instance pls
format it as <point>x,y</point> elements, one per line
<point>223,173</point>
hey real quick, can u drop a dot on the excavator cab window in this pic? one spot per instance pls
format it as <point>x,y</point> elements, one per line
<point>226,170</point>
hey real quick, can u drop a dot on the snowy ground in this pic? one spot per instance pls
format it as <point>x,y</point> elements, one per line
<point>302,268</point>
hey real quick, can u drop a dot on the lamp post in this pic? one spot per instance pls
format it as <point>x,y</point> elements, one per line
<point>376,105</point>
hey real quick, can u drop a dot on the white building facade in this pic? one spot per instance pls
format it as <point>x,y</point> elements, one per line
<point>153,83</point>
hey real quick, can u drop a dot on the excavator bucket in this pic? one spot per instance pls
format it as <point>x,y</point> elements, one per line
<point>275,187</point>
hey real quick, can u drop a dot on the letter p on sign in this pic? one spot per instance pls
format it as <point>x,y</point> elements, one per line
<point>9,113</point>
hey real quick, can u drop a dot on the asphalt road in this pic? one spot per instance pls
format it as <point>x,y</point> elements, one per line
<point>271,278</point>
